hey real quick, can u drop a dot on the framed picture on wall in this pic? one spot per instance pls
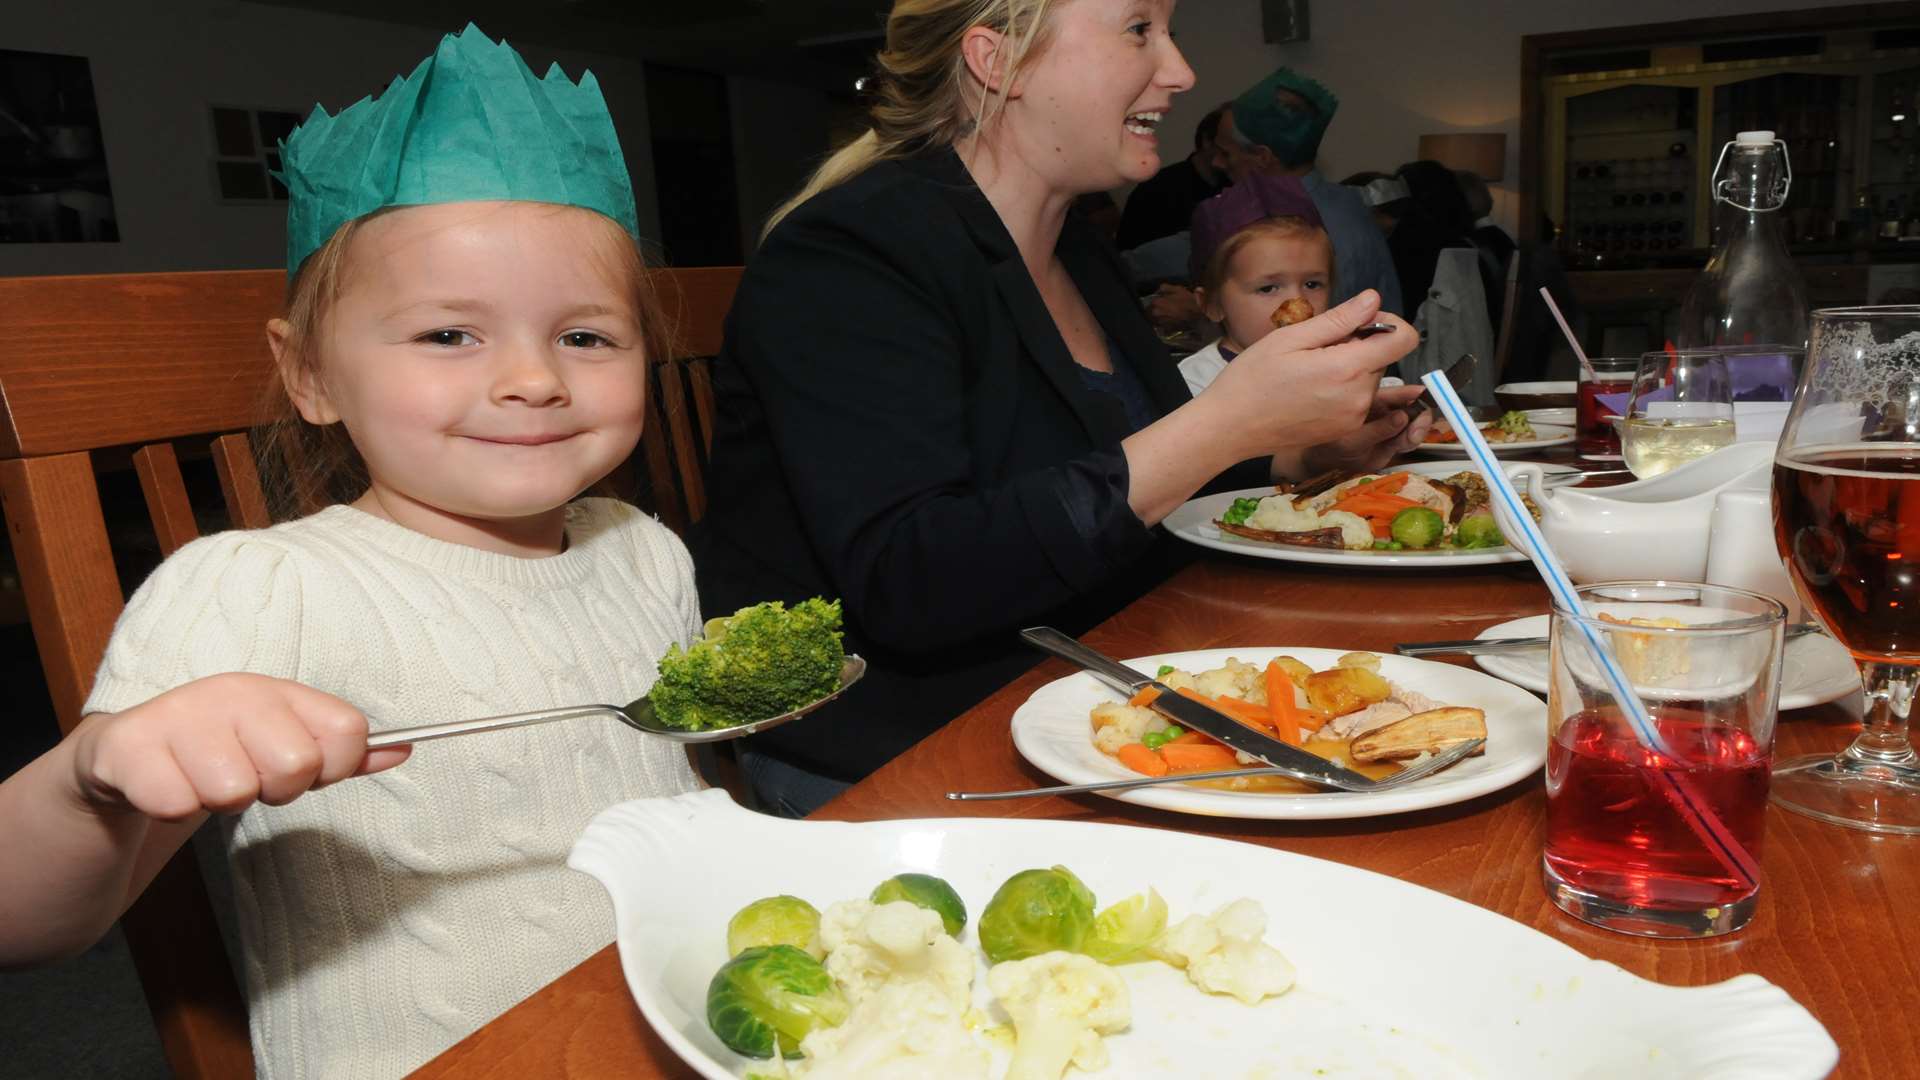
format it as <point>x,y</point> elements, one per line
<point>53,161</point>
<point>246,152</point>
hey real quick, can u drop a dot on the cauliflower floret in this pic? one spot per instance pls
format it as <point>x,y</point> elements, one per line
<point>1224,954</point>
<point>1235,679</point>
<point>1061,1003</point>
<point>840,923</point>
<point>1115,725</point>
<point>903,1030</point>
<point>870,945</point>
<point>1277,514</point>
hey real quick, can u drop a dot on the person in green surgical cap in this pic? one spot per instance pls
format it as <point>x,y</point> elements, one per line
<point>1275,128</point>
<point>464,353</point>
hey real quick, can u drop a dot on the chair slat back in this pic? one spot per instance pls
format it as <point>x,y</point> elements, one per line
<point>73,595</point>
<point>240,482</point>
<point>166,495</point>
<point>688,457</point>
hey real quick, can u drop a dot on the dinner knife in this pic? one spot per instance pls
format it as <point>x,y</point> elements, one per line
<point>1195,715</point>
<point>1470,646</point>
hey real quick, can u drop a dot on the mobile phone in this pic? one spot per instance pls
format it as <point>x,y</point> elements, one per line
<point>1371,329</point>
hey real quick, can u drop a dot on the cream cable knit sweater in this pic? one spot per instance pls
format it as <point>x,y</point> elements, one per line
<point>387,917</point>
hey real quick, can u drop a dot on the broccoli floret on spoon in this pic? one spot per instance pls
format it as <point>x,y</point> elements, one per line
<point>755,664</point>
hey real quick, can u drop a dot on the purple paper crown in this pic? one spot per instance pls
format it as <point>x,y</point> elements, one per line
<point>1254,199</point>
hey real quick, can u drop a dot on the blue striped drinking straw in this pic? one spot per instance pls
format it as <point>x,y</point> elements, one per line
<point>1693,809</point>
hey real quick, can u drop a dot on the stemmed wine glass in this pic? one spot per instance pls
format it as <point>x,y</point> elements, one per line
<point>1849,457</point>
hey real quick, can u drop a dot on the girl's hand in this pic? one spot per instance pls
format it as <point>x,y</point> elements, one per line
<point>219,744</point>
<point>1386,435</point>
<point>1312,383</point>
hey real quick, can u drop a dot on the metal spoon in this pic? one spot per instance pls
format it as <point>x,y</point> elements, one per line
<point>637,715</point>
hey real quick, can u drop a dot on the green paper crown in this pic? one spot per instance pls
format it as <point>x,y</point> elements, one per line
<point>1292,134</point>
<point>471,123</point>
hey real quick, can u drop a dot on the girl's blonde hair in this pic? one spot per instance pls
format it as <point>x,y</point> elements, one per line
<point>1286,226</point>
<point>921,95</point>
<point>306,467</point>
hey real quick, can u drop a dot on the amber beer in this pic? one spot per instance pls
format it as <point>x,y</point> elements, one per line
<point>1851,540</point>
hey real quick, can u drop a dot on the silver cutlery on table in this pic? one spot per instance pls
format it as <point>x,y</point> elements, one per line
<point>637,715</point>
<point>1283,759</point>
<point>1405,776</point>
<point>1471,646</point>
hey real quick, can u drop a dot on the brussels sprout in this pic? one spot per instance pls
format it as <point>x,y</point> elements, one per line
<point>928,892</point>
<point>776,920</point>
<point>1122,932</point>
<point>1418,527</point>
<point>1036,911</point>
<point>772,995</point>
<point>1478,530</point>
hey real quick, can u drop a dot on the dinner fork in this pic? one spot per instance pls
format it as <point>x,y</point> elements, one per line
<point>1405,776</point>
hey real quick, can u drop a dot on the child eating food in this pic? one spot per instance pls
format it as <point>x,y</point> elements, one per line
<point>1262,260</point>
<point>464,353</point>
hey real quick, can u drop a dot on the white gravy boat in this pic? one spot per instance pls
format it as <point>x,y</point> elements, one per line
<point>1653,529</point>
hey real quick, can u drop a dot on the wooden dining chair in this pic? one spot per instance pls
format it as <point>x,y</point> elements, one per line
<point>89,364</point>
<point>92,365</point>
<point>696,303</point>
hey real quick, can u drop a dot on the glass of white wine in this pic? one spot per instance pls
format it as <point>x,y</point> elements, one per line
<point>1681,408</point>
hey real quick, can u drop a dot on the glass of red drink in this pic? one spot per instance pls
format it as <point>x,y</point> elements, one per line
<point>1596,437</point>
<point>1848,455</point>
<point>1639,830</point>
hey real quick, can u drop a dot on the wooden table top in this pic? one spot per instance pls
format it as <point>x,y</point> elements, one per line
<point>1838,925</point>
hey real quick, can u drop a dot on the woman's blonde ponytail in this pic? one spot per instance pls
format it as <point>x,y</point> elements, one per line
<point>923,94</point>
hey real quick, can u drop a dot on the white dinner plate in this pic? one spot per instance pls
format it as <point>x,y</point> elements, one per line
<point>1547,435</point>
<point>1053,731</point>
<point>1194,523</point>
<point>1393,979</point>
<point>1814,669</point>
<point>1445,469</point>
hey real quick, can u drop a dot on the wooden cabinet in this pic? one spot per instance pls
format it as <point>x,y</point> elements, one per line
<point>1621,128</point>
<point>1630,153</point>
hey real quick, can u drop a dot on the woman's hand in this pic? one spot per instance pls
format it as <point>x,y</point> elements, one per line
<point>1313,384</point>
<point>1386,434</point>
<point>220,744</point>
<point>1174,307</point>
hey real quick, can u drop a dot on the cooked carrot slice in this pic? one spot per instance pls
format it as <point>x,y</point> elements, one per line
<point>1142,760</point>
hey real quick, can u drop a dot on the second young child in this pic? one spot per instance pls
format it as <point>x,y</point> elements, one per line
<point>1257,247</point>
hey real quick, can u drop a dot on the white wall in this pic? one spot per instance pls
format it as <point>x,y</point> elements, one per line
<point>779,136</point>
<point>158,66</point>
<point>1402,69</point>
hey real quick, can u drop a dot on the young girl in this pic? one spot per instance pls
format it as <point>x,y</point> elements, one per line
<point>465,345</point>
<point>1256,247</point>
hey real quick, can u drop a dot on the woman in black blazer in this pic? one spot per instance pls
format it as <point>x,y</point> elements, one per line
<point>938,398</point>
